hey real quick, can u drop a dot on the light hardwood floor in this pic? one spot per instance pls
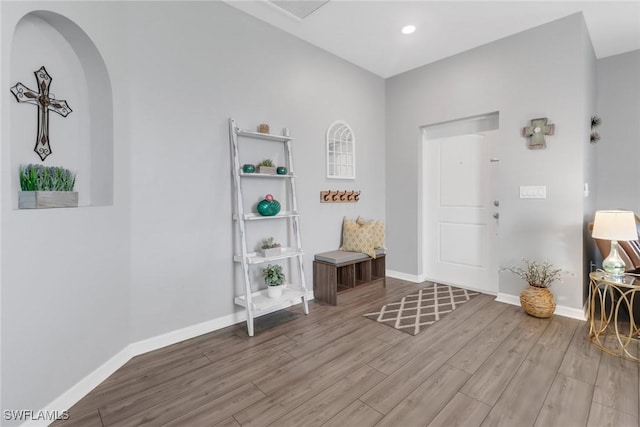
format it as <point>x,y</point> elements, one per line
<point>485,364</point>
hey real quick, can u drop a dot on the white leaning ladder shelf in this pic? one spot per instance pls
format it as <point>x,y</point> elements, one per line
<point>257,302</point>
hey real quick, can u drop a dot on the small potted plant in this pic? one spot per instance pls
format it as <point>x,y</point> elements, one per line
<point>46,187</point>
<point>270,248</point>
<point>274,278</point>
<point>267,166</point>
<point>536,299</point>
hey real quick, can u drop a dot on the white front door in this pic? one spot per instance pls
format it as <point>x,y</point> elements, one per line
<point>460,231</point>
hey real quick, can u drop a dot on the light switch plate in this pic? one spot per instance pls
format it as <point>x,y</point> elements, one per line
<point>533,191</point>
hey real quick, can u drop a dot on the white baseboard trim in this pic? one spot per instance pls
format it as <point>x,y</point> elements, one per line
<point>508,299</point>
<point>423,278</point>
<point>573,313</point>
<point>561,310</point>
<point>404,276</point>
<point>192,331</point>
<point>79,390</point>
<point>70,397</point>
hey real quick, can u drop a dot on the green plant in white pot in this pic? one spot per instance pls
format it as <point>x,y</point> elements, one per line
<point>274,278</point>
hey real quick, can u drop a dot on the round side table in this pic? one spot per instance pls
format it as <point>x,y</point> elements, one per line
<point>612,326</point>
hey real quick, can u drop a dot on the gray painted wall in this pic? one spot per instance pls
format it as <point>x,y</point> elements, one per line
<point>160,258</point>
<point>505,76</point>
<point>65,272</point>
<point>618,152</point>
<point>182,269</point>
<point>589,251</point>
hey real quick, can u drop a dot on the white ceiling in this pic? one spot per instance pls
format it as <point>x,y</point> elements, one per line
<point>367,33</point>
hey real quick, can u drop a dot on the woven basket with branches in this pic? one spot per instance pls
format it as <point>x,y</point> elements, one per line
<point>536,299</point>
<point>537,302</point>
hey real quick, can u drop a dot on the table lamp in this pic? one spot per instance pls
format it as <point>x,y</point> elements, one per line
<point>614,226</point>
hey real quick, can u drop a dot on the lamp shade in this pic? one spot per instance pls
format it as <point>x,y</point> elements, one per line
<point>615,225</point>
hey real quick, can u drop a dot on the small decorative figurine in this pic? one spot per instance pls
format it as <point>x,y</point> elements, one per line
<point>269,206</point>
<point>263,128</point>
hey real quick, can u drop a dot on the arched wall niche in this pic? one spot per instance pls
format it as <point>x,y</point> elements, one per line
<point>83,141</point>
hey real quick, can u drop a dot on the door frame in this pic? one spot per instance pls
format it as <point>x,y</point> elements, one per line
<point>472,124</point>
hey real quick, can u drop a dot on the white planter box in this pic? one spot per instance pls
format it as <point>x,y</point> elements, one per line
<point>271,252</point>
<point>47,199</point>
<point>271,170</point>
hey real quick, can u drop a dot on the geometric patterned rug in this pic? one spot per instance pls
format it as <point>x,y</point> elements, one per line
<point>415,312</point>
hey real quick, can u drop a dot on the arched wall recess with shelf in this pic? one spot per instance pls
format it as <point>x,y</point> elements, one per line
<point>82,142</point>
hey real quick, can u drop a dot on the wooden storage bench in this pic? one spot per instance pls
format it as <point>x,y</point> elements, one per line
<point>338,271</point>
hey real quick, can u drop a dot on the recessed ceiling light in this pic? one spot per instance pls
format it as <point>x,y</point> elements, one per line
<point>408,29</point>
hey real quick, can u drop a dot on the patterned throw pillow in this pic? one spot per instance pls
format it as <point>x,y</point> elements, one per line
<point>376,230</point>
<point>362,236</point>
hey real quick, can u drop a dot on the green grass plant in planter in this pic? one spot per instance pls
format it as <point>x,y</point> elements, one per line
<point>46,178</point>
<point>46,187</point>
<point>267,166</point>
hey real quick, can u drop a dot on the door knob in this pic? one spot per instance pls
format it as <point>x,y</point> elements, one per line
<point>496,215</point>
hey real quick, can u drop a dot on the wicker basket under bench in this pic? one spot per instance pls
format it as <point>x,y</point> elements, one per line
<point>339,271</point>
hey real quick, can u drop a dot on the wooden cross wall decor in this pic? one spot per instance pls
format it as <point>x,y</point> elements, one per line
<point>536,132</point>
<point>45,104</point>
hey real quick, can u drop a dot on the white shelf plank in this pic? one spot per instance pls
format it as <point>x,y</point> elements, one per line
<point>257,258</point>
<point>260,300</point>
<point>266,136</point>
<point>258,217</point>
<point>266,175</point>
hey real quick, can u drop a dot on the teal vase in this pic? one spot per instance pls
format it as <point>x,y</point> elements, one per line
<point>281,170</point>
<point>268,208</point>
<point>248,168</point>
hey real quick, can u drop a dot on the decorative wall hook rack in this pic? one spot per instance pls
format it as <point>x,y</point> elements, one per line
<point>339,196</point>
